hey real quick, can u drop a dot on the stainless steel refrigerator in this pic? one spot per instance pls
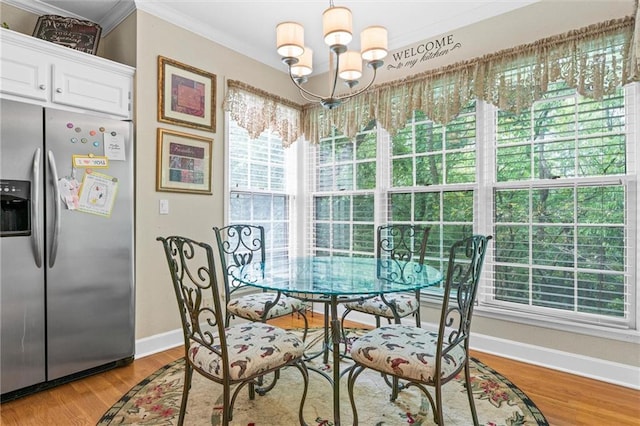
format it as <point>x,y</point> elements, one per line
<point>66,246</point>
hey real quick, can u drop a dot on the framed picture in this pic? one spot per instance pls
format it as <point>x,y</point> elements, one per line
<point>70,32</point>
<point>184,163</point>
<point>186,95</point>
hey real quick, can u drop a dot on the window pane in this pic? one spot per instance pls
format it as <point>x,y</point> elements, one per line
<point>344,150</point>
<point>514,284</point>
<point>458,206</point>
<point>461,167</point>
<point>366,146</point>
<point>429,170</point>
<point>402,172</point>
<point>366,175</point>
<point>363,208</point>
<point>363,238</point>
<point>514,163</point>
<point>512,206</point>
<point>323,208</point>
<point>601,294</point>
<point>341,236</point>
<point>552,245</point>
<point>323,235</point>
<point>512,244</point>
<point>553,205</point>
<point>344,176</point>
<point>240,207</point>
<point>427,207</point>
<point>341,208</point>
<point>262,207</point>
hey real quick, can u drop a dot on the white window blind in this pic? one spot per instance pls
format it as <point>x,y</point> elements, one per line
<point>261,172</point>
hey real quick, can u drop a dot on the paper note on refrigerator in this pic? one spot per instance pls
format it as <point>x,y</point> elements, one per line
<point>114,146</point>
<point>97,194</point>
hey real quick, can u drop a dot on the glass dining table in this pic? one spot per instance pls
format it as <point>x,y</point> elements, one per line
<point>334,280</point>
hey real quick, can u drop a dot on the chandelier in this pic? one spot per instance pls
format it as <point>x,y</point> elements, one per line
<point>343,63</point>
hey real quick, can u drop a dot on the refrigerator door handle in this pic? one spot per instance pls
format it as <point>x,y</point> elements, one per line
<point>36,240</point>
<point>56,203</point>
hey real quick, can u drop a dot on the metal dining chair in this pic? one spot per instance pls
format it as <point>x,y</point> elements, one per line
<point>238,246</point>
<point>396,245</point>
<point>238,355</point>
<point>423,358</point>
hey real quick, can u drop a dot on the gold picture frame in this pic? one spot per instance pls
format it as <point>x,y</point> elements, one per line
<point>183,162</point>
<point>186,95</point>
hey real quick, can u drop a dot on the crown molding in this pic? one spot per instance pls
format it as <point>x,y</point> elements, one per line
<point>116,15</point>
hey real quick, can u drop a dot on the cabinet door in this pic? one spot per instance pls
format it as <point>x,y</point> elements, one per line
<point>92,88</point>
<point>24,73</point>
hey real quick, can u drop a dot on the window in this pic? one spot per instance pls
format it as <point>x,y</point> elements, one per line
<point>561,208</point>
<point>554,186</point>
<point>260,187</point>
<point>433,180</point>
<point>344,195</point>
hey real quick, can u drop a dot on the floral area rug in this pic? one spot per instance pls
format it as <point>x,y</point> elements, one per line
<point>156,400</point>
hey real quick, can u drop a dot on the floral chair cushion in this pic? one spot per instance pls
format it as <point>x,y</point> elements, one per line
<point>404,351</point>
<point>406,304</point>
<point>251,306</point>
<point>253,348</point>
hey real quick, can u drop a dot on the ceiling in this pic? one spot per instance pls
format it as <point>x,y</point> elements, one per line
<point>248,26</point>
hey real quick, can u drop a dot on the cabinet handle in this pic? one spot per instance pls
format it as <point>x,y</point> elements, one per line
<point>42,87</point>
<point>58,90</point>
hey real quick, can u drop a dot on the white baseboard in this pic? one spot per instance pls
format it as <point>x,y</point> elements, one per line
<point>593,368</point>
<point>158,343</point>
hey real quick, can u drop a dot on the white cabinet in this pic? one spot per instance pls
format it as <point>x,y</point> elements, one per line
<point>36,71</point>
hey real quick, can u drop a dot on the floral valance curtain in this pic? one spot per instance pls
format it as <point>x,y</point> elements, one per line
<point>596,60</point>
<point>256,111</point>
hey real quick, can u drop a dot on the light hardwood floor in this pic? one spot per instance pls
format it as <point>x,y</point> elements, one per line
<point>564,399</point>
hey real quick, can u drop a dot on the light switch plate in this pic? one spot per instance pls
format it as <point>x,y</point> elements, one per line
<point>164,206</point>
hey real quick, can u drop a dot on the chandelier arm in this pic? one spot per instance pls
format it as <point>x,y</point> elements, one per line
<point>302,89</point>
<point>335,75</point>
<point>353,94</point>
<point>309,98</point>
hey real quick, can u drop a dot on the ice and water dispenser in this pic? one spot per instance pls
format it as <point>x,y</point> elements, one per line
<point>15,202</point>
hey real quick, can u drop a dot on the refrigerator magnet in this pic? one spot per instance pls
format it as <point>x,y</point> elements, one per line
<point>95,162</point>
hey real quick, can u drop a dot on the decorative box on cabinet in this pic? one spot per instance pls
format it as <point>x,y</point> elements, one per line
<point>37,71</point>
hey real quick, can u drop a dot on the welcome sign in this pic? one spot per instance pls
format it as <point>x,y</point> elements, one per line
<point>411,57</point>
